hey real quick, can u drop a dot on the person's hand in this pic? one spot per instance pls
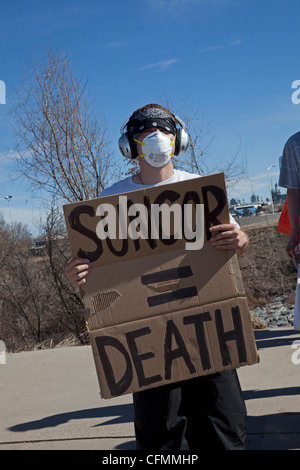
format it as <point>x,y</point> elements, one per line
<point>77,270</point>
<point>230,238</point>
<point>291,247</point>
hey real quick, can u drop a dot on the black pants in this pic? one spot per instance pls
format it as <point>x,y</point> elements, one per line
<point>205,413</point>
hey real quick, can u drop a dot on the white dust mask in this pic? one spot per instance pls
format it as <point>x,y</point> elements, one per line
<point>157,148</point>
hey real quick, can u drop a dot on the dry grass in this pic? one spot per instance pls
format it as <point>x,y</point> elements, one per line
<point>266,269</point>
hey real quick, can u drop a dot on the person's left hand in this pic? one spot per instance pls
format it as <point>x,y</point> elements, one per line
<point>230,238</point>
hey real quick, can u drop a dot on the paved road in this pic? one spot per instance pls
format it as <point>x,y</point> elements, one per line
<point>50,400</point>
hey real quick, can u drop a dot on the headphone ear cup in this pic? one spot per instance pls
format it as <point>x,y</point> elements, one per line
<point>177,141</point>
<point>127,146</point>
<point>181,142</point>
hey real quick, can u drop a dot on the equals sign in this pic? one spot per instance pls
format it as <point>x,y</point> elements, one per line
<point>166,276</point>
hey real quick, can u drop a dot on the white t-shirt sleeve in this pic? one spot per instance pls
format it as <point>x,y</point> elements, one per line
<point>233,221</point>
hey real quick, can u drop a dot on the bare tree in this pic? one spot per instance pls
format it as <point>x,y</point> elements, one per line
<point>66,305</point>
<point>198,158</point>
<point>38,306</point>
<point>61,146</point>
<point>20,306</point>
<point>63,150</point>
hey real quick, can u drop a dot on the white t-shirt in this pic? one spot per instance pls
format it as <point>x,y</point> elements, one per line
<point>126,185</point>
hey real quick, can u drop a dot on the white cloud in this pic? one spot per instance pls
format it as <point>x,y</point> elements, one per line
<point>210,48</point>
<point>8,156</point>
<point>176,3</point>
<point>27,216</point>
<point>177,8</point>
<point>281,113</point>
<point>7,171</point>
<point>254,184</point>
<point>231,43</point>
<point>160,66</point>
<point>118,44</point>
<point>234,42</point>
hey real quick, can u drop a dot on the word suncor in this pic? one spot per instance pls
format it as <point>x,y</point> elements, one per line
<point>170,217</point>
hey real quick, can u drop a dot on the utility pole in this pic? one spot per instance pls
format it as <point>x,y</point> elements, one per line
<point>270,190</point>
<point>9,198</point>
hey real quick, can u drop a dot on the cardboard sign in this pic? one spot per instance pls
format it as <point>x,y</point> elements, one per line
<point>162,305</point>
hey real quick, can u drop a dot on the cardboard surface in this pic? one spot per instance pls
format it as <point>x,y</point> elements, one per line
<point>156,311</point>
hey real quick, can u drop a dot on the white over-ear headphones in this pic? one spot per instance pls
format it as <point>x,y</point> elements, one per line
<point>127,145</point>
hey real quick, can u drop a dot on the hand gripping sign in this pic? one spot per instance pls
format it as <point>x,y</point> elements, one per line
<point>162,304</point>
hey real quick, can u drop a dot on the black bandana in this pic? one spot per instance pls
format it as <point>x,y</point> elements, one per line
<point>151,117</point>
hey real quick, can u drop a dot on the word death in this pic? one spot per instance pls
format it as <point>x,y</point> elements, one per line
<point>132,349</point>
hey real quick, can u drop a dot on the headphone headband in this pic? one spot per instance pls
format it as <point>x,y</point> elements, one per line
<point>123,127</point>
<point>134,126</point>
<point>180,122</point>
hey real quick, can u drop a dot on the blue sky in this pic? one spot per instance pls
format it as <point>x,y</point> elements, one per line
<point>234,60</point>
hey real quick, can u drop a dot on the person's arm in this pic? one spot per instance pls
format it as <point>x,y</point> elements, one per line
<point>77,270</point>
<point>230,237</point>
<point>293,204</point>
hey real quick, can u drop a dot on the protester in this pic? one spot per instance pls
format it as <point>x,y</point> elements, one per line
<point>290,178</point>
<point>204,413</point>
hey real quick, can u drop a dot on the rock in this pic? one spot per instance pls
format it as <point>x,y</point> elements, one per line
<point>276,313</point>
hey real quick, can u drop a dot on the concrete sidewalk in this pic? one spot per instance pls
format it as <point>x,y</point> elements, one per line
<point>50,400</point>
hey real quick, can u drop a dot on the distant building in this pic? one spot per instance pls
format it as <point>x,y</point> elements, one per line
<point>277,196</point>
<point>245,210</point>
<point>38,246</point>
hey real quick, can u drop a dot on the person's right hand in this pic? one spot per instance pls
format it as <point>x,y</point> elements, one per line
<point>77,270</point>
